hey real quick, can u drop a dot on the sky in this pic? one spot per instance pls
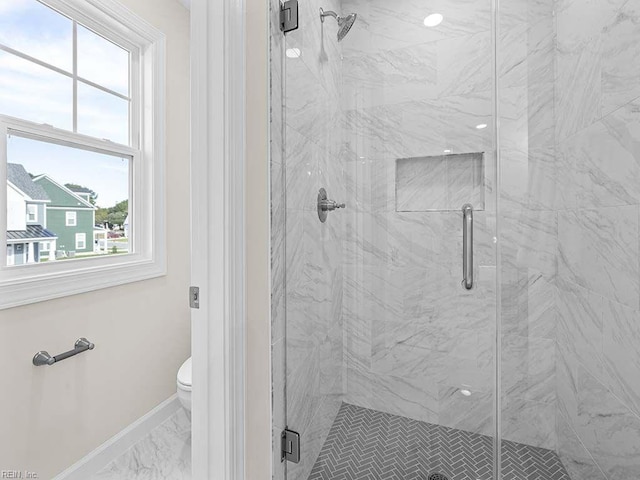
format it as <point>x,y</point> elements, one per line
<point>40,95</point>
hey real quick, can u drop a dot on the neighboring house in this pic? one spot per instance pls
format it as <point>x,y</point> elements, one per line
<point>125,226</point>
<point>70,215</point>
<point>28,239</point>
<point>83,192</point>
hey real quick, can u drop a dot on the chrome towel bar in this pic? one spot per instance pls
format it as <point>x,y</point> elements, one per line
<point>43,358</point>
<point>467,246</point>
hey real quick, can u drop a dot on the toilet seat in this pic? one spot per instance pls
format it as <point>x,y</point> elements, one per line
<point>184,376</point>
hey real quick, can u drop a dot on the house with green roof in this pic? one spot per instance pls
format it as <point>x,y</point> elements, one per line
<point>28,238</point>
<point>70,215</point>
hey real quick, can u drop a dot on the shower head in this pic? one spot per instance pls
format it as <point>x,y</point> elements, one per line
<point>344,23</point>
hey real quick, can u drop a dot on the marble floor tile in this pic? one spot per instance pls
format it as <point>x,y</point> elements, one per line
<point>164,454</point>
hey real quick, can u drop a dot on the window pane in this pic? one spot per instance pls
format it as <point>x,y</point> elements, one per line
<point>102,61</point>
<point>35,93</point>
<point>38,31</point>
<point>65,183</point>
<point>102,115</point>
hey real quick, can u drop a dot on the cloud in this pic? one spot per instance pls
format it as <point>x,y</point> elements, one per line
<point>41,95</point>
<point>12,6</point>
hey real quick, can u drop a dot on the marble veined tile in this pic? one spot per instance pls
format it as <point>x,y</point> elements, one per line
<point>528,422</point>
<point>311,110</point>
<point>528,304</point>
<point>606,159</point>
<point>598,250</point>
<point>575,457</point>
<point>609,430</point>
<point>314,438</point>
<point>580,328</point>
<point>383,24</point>
<point>390,76</point>
<point>465,181</point>
<point>578,86</point>
<point>621,49</point>
<point>464,65</point>
<point>164,454</point>
<point>471,411</point>
<point>421,184</point>
<point>579,21</point>
<point>529,12</point>
<point>621,337</point>
<point>528,369</point>
<point>421,128</point>
<point>316,47</point>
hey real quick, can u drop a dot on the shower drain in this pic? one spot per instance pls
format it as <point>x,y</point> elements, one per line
<point>438,476</point>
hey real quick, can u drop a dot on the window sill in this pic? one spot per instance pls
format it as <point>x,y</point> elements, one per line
<point>42,287</point>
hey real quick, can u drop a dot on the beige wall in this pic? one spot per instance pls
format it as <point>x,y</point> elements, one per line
<point>258,389</point>
<point>52,417</point>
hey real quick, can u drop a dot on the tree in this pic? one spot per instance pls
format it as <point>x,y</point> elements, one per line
<point>115,215</point>
<point>74,187</point>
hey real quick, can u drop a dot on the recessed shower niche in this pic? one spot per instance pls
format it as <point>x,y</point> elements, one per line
<point>440,183</point>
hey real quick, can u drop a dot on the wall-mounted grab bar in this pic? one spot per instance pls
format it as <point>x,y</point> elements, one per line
<point>467,246</point>
<point>43,358</point>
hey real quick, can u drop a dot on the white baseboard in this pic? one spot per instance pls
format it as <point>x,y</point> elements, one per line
<point>121,442</point>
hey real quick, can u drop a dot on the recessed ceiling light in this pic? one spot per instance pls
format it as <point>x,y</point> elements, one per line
<point>433,20</point>
<point>293,52</point>
<point>466,393</point>
<point>447,151</point>
<point>481,126</point>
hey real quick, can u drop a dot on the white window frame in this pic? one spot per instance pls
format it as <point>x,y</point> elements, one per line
<point>32,208</point>
<point>20,285</point>
<point>81,238</point>
<point>71,218</point>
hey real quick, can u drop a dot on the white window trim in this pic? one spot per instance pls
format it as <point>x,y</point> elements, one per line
<point>29,284</point>
<point>35,213</point>
<point>71,219</point>
<point>81,238</point>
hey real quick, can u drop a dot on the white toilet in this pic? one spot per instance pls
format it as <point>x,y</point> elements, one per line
<point>184,384</point>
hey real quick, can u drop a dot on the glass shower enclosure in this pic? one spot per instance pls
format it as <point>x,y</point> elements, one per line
<point>455,240</point>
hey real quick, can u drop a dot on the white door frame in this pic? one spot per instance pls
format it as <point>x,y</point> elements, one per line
<point>217,237</point>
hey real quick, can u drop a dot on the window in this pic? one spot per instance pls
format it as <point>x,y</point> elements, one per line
<point>81,241</point>
<point>32,213</point>
<point>81,113</point>
<point>71,219</point>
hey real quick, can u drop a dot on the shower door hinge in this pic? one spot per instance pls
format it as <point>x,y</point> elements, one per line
<point>289,16</point>
<point>194,297</point>
<point>290,446</point>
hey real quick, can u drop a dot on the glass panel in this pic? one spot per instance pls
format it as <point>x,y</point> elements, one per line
<point>102,114</point>
<point>78,194</point>
<point>35,93</point>
<point>102,62</point>
<point>389,359</point>
<point>570,190</point>
<point>38,31</point>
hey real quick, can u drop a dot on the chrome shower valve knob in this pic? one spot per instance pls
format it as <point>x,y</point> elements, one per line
<point>325,205</point>
<point>331,205</point>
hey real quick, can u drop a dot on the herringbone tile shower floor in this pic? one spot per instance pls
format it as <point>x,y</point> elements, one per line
<point>366,444</point>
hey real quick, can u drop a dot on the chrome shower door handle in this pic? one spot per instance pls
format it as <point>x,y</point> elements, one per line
<point>467,246</point>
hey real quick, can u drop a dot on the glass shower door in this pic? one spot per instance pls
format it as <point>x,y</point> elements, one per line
<point>383,360</point>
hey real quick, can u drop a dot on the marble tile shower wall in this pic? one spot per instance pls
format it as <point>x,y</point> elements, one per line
<point>598,209</point>
<point>313,157</point>
<point>414,337</point>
